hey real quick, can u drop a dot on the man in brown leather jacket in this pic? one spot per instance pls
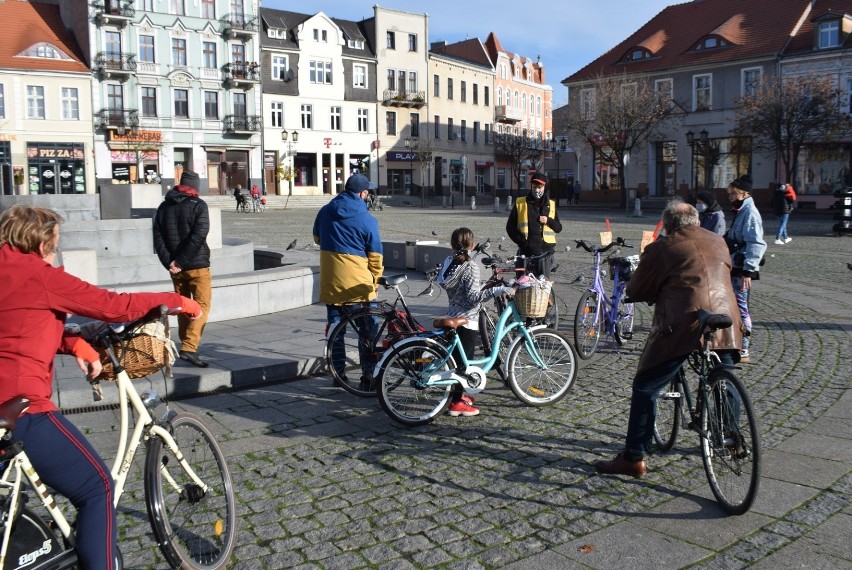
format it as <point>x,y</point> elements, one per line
<point>686,271</point>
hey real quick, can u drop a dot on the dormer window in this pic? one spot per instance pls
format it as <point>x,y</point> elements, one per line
<point>45,51</point>
<point>355,44</point>
<point>277,33</point>
<point>637,54</point>
<point>829,34</point>
<point>710,42</point>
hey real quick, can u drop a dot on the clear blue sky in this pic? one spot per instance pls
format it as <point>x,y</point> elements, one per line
<point>567,34</point>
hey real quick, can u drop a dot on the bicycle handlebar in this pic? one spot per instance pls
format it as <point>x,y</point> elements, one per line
<point>123,331</point>
<point>588,247</point>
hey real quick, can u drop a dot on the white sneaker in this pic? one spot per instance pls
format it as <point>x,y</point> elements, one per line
<point>779,242</point>
<point>788,240</point>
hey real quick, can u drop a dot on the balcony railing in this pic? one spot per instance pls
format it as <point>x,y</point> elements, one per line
<point>239,24</point>
<point>116,64</point>
<point>242,72</point>
<point>243,124</point>
<point>113,11</point>
<point>404,98</point>
<point>118,119</point>
<point>508,114</point>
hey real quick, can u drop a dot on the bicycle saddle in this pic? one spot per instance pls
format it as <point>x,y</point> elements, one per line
<point>708,321</point>
<point>392,280</point>
<point>10,410</point>
<point>449,322</point>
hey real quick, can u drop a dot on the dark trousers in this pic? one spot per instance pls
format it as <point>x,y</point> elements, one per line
<point>469,338</point>
<point>66,461</point>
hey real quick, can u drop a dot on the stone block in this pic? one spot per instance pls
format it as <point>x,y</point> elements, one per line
<point>82,263</point>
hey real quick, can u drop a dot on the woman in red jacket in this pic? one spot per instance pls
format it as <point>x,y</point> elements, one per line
<point>34,302</point>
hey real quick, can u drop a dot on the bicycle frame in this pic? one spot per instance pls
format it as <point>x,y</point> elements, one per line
<point>145,427</point>
<point>608,306</point>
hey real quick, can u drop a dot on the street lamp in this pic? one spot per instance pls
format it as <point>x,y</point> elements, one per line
<point>291,139</point>
<point>411,144</point>
<point>703,143</point>
<point>558,147</point>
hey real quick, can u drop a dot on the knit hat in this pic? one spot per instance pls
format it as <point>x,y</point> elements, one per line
<point>540,177</point>
<point>743,183</point>
<point>357,183</point>
<point>190,178</point>
<point>708,198</point>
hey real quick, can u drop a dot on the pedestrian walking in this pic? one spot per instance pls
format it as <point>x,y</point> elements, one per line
<point>710,213</point>
<point>577,189</point>
<point>181,225</point>
<point>569,193</point>
<point>534,222</point>
<point>746,246</point>
<point>785,202</point>
<point>687,270</point>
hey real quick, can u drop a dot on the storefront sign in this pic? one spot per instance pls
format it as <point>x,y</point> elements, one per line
<point>121,172</point>
<point>131,156</point>
<point>8,138</point>
<point>42,152</point>
<point>269,160</point>
<point>483,164</point>
<point>137,137</point>
<point>328,142</point>
<point>402,156</point>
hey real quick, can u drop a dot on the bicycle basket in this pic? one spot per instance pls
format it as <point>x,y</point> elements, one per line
<point>144,354</point>
<point>624,265</point>
<point>532,301</point>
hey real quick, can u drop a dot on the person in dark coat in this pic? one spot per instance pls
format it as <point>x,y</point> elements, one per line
<point>687,270</point>
<point>710,213</point>
<point>534,222</point>
<point>181,225</point>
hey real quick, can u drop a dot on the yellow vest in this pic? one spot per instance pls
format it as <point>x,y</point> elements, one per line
<point>548,235</point>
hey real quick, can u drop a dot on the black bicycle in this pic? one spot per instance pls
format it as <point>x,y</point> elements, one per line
<point>722,415</point>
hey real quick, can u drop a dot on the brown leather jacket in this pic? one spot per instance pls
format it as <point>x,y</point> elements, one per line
<point>681,273</point>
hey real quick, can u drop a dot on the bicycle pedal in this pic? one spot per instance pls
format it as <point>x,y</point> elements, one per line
<point>670,396</point>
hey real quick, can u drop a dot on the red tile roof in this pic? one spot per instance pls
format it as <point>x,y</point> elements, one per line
<point>753,28</point>
<point>493,47</point>
<point>28,24</point>
<point>804,40</point>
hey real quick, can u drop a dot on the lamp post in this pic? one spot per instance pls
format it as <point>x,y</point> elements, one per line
<point>291,139</point>
<point>558,147</point>
<point>702,142</point>
<point>411,145</point>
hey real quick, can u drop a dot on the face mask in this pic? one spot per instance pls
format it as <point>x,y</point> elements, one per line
<point>701,207</point>
<point>737,204</point>
<point>537,193</point>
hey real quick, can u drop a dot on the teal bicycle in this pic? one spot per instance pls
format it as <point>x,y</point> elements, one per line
<point>416,376</point>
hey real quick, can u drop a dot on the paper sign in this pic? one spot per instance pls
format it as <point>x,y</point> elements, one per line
<point>647,237</point>
<point>606,238</point>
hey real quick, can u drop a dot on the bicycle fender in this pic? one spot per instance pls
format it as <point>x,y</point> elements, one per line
<point>379,368</point>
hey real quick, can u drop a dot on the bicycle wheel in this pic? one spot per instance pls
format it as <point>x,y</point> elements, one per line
<point>624,321</point>
<point>354,347</point>
<point>730,444</point>
<point>403,392</point>
<point>587,324</point>
<point>194,528</point>
<point>537,386</point>
<point>669,411</point>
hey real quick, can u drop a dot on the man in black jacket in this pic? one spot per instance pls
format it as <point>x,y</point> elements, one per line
<point>180,240</point>
<point>534,223</point>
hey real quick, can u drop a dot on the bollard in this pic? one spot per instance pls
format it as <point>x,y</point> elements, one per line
<point>637,208</point>
<point>444,201</point>
<point>473,202</point>
<point>508,203</point>
<point>496,204</point>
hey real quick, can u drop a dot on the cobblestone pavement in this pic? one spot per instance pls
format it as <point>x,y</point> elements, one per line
<point>325,480</point>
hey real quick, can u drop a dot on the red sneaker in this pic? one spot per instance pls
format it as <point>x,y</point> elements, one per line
<point>467,399</point>
<point>462,409</point>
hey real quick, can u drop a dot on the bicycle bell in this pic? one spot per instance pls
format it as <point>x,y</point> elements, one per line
<point>150,399</point>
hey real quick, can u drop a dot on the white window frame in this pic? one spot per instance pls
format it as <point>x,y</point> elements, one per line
<point>176,52</point>
<point>662,92</point>
<point>335,118</point>
<point>153,48</point>
<point>142,100</point>
<point>359,76</point>
<point>280,64</point>
<point>750,87</point>
<point>363,120</point>
<point>34,111</point>
<point>320,72</point>
<point>70,103</point>
<point>211,4</point>
<point>218,105</point>
<point>276,114</point>
<point>178,7</point>
<point>412,82</point>
<point>828,34</point>
<point>205,53</point>
<point>307,116</point>
<point>2,101</point>
<point>587,102</point>
<point>709,89</point>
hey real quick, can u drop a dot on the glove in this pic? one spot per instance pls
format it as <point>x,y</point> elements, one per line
<point>509,291</point>
<point>87,357</point>
<point>190,307</point>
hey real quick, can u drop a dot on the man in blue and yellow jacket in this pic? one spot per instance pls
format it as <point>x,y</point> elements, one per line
<point>534,223</point>
<point>351,259</point>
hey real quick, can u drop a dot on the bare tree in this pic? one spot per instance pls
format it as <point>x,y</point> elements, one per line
<point>519,151</point>
<point>616,115</point>
<point>781,119</point>
<point>424,150</point>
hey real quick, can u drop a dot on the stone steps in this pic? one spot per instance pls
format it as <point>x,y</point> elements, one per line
<point>273,202</point>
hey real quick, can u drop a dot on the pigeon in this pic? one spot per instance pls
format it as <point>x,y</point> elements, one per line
<point>579,279</point>
<point>849,266</point>
<point>555,268</point>
<point>500,247</point>
<point>487,245</point>
<point>427,292</point>
<point>434,233</point>
<point>292,244</point>
<point>567,248</point>
<point>502,238</point>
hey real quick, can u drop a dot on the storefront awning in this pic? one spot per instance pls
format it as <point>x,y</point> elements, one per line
<point>213,148</point>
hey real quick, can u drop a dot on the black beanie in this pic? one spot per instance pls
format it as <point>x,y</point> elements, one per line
<point>190,178</point>
<point>743,183</point>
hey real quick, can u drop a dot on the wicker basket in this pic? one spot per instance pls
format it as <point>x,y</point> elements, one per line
<point>143,356</point>
<point>532,301</point>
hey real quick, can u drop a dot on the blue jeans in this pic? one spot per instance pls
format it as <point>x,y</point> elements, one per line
<point>782,227</point>
<point>367,332</point>
<point>647,386</point>
<point>742,296</point>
